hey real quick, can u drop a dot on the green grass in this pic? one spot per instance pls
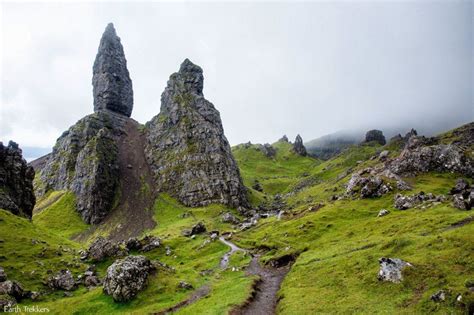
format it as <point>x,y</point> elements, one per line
<point>61,217</point>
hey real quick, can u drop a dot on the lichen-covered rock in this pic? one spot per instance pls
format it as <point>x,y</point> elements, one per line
<point>367,186</point>
<point>63,280</point>
<point>16,181</point>
<point>298,146</point>
<point>12,288</point>
<point>112,86</point>
<point>375,135</point>
<point>186,147</point>
<point>391,269</point>
<point>102,249</point>
<point>421,155</point>
<point>126,277</point>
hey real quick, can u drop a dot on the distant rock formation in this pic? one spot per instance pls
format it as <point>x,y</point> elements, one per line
<point>186,148</point>
<point>375,135</point>
<point>283,139</point>
<point>16,181</point>
<point>112,86</point>
<point>298,146</point>
<point>403,140</point>
<point>267,150</point>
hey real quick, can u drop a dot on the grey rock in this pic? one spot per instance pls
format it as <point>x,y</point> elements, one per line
<point>384,155</point>
<point>267,150</point>
<point>126,277</point>
<point>198,228</point>
<point>391,269</point>
<point>185,285</point>
<point>149,243</point>
<point>298,146</point>
<point>461,186</point>
<point>92,281</point>
<point>102,249</point>
<point>63,280</point>
<point>283,139</point>
<point>257,186</point>
<point>403,202</point>
<point>439,296</point>
<point>375,135</point>
<point>186,147</point>
<point>3,275</point>
<point>7,302</point>
<point>112,86</point>
<point>230,218</point>
<point>367,186</point>
<point>383,213</point>
<point>16,181</point>
<point>12,288</point>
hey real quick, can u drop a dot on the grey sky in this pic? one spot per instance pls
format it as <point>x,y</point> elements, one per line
<point>270,68</point>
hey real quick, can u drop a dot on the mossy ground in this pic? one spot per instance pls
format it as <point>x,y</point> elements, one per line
<point>337,247</point>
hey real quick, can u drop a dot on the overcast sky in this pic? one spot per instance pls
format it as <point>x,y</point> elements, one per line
<point>270,68</point>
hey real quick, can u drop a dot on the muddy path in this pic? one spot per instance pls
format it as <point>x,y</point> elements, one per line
<point>196,295</point>
<point>265,297</point>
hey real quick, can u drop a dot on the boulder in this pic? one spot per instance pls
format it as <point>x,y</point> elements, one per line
<point>257,186</point>
<point>126,277</point>
<point>102,249</point>
<point>463,195</point>
<point>186,147</point>
<point>16,181</point>
<point>230,218</point>
<point>185,285</point>
<point>384,155</point>
<point>283,139</point>
<point>12,288</point>
<point>3,275</point>
<point>367,186</point>
<point>267,150</point>
<point>298,146</point>
<point>383,213</point>
<point>112,86</point>
<point>439,296</point>
<point>391,269</point>
<point>376,136</point>
<point>6,302</point>
<point>402,202</point>
<point>150,243</point>
<point>198,228</point>
<point>63,280</point>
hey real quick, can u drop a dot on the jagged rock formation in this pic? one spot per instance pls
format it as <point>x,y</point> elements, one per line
<point>85,158</point>
<point>16,181</point>
<point>186,148</point>
<point>375,135</point>
<point>283,139</point>
<point>298,146</point>
<point>112,86</point>
<point>267,150</point>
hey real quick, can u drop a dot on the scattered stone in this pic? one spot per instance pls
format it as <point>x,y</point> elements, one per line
<point>257,186</point>
<point>168,251</point>
<point>150,243</point>
<point>298,146</point>
<point>230,218</point>
<point>185,286</point>
<point>439,296</point>
<point>16,181</point>
<point>391,269</point>
<point>383,213</point>
<point>198,228</point>
<point>375,135</point>
<point>126,277</point>
<point>406,202</point>
<point>6,302</point>
<point>133,244</point>
<point>63,280</point>
<point>384,155</point>
<point>463,195</point>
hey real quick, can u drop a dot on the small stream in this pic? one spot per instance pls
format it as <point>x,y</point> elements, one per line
<point>233,248</point>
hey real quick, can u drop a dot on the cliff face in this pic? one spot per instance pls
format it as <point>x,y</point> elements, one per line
<point>16,181</point>
<point>85,157</point>
<point>189,155</point>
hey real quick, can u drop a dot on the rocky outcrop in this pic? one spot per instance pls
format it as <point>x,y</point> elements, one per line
<point>198,228</point>
<point>63,280</point>
<point>283,139</point>
<point>463,195</point>
<point>376,136</point>
<point>85,157</point>
<point>102,249</point>
<point>16,181</point>
<point>391,269</point>
<point>298,146</point>
<point>145,244</point>
<point>126,277</point>
<point>267,150</point>
<point>186,147</point>
<point>367,185</point>
<point>424,155</point>
<point>112,86</point>
<point>402,202</point>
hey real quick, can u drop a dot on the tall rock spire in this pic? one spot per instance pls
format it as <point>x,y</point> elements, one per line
<point>112,86</point>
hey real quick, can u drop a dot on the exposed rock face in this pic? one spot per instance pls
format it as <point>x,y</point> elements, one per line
<point>298,146</point>
<point>16,181</point>
<point>367,186</point>
<point>186,148</point>
<point>391,269</point>
<point>126,277</point>
<point>84,160</point>
<point>421,155</point>
<point>112,86</point>
<point>375,135</point>
<point>63,280</point>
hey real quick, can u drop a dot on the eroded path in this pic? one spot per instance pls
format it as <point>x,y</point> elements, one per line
<point>265,299</point>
